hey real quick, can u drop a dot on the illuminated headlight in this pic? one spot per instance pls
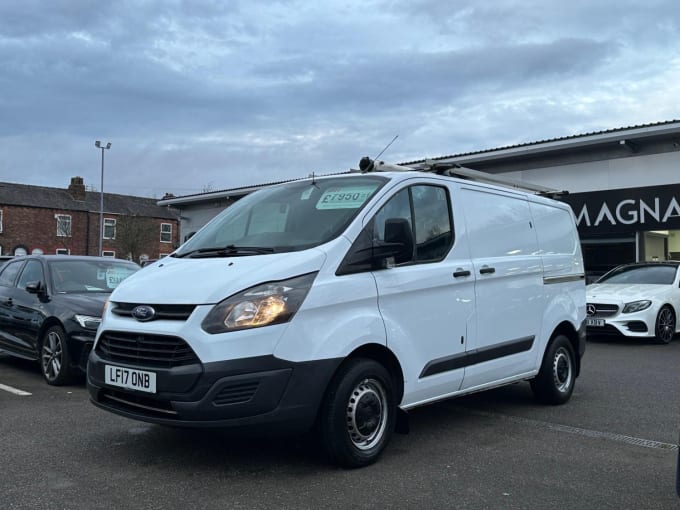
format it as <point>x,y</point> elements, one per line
<point>636,306</point>
<point>87,321</point>
<point>269,303</point>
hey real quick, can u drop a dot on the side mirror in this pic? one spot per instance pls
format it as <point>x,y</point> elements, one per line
<point>366,254</point>
<point>35,288</point>
<point>399,234</point>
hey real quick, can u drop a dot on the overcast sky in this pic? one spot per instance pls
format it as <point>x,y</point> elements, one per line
<point>208,95</point>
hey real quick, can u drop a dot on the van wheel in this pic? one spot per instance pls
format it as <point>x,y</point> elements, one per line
<point>554,383</point>
<point>54,359</point>
<point>358,413</point>
<point>664,328</point>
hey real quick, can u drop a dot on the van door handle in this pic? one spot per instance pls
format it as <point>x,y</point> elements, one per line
<point>487,270</point>
<point>461,272</point>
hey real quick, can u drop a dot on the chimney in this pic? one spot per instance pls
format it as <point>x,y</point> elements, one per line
<point>77,189</point>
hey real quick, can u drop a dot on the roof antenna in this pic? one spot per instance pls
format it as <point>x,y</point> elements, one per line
<point>386,147</point>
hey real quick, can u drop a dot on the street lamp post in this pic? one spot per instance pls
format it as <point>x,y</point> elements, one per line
<point>99,145</point>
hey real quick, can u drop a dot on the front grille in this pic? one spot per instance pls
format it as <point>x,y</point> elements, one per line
<point>145,350</point>
<point>167,312</point>
<point>602,310</point>
<point>236,393</point>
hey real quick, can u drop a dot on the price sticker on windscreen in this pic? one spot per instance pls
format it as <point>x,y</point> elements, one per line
<point>115,275</point>
<point>339,197</point>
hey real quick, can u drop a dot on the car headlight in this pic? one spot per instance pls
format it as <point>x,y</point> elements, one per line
<point>637,306</point>
<point>87,321</point>
<point>262,305</point>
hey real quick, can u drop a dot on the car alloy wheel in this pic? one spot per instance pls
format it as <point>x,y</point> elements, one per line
<point>665,325</point>
<point>54,358</point>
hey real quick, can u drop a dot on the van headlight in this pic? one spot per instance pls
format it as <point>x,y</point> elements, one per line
<point>262,305</point>
<point>637,306</point>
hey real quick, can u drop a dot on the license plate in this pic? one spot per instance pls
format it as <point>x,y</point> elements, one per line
<point>595,322</point>
<point>130,378</point>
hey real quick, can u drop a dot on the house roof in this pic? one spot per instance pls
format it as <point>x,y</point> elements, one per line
<point>671,127</point>
<point>26,195</point>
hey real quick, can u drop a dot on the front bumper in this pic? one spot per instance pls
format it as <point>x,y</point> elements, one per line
<point>636,325</point>
<point>262,392</point>
<point>80,344</point>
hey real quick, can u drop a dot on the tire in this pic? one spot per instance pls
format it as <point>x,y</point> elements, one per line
<point>664,327</point>
<point>555,381</point>
<point>358,414</point>
<point>55,362</point>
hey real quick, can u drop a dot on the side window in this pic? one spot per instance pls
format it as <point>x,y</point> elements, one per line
<point>426,209</point>
<point>433,222</point>
<point>32,272</point>
<point>398,207</point>
<point>9,274</point>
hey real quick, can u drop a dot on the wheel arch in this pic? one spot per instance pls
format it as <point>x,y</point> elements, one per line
<point>386,358</point>
<point>47,324</point>
<point>567,329</point>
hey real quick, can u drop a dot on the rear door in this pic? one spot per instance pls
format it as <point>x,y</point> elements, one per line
<point>8,278</point>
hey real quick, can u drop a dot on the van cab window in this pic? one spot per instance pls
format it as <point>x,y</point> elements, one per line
<point>289,217</point>
<point>427,210</point>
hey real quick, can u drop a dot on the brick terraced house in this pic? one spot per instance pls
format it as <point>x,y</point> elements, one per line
<point>37,219</point>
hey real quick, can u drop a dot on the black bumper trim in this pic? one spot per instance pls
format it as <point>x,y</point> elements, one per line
<point>245,393</point>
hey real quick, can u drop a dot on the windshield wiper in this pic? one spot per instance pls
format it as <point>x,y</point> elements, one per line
<point>227,251</point>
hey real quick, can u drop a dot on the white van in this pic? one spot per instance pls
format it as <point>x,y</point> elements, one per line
<point>340,302</point>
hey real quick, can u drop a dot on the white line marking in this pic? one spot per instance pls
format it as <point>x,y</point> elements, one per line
<point>21,393</point>
<point>636,441</point>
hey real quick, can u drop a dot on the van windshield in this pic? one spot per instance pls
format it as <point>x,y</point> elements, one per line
<point>289,217</point>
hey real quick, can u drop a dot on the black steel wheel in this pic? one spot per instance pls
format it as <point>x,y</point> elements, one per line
<point>54,358</point>
<point>358,414</point>
<point>555,381</point>
<point>664,327</point>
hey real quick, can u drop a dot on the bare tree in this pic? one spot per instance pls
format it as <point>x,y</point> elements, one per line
<point>135,235</point>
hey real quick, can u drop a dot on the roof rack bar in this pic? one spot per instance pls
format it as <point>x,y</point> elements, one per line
<point>454,170</point>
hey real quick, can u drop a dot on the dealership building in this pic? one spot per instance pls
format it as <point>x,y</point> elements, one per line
<point>623,185</point>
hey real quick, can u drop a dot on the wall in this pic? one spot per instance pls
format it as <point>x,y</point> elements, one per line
<point>630,172</point>
<point>36,228</point>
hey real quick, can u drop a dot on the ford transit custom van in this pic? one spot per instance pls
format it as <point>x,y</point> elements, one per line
<point>341,302</point>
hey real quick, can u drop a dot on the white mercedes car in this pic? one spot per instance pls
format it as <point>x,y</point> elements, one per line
<point>636,300</point>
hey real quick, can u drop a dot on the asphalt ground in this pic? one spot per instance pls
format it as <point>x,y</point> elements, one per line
<point>614,445</point>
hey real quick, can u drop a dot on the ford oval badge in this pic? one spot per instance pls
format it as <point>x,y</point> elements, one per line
<point>143,313</point>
